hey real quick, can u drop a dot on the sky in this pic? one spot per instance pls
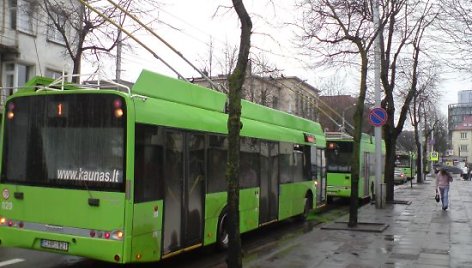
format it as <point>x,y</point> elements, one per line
<point>197,22</point>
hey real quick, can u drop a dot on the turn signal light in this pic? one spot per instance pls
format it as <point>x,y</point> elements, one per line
<point>2,220</point>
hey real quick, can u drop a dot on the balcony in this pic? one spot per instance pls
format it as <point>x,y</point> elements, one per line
<point>8,42</point>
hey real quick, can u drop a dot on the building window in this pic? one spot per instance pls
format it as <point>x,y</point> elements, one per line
<point>56,24</point>
<point>463,135</point>
<point>53,73</point>
<point>463,148</point>
<point>25,15</point>
<point>13,10</point>
<point>15,75</point>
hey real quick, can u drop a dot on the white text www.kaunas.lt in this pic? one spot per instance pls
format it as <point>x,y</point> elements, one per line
<point>88,175</point>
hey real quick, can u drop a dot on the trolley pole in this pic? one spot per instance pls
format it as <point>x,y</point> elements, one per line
<point>379,186</point>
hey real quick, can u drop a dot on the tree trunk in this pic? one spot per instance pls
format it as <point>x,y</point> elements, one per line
<point>236,81</point>
<point>357,134</point>
<point>76,70</point>
<point>390,135</point>
<point>390,149</point>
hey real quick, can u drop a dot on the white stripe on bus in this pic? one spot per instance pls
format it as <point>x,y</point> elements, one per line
<point>9,262</point>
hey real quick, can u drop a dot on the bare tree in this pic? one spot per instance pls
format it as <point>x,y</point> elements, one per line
<point>403,33</point>
<point>342,32</point>
<point>423,110</point>
<point>455,44</point>
<point>82,30</point>
<point>236,81</point>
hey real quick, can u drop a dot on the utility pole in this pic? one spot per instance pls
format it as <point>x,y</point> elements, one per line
<point>118,57</point>
<point>379,186</point>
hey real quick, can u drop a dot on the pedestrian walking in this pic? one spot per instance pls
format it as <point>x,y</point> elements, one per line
<point>443,179</point>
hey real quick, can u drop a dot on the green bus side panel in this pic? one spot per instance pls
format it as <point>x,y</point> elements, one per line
<point>100,249</point>
<point>216,202</point>
<point>177,103</point>
<point>292,198</point>
<point>64,207</point>
<point>147,227</point>
<point>193,118</point>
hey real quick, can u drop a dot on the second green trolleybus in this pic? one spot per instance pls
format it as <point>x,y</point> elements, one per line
<point>137,175</point>
<point>339,161</point>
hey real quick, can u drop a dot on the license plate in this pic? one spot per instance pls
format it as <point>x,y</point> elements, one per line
<point>52,244</point>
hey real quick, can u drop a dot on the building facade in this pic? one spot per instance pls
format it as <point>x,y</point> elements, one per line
<point>462,139</point>
<point>30,45</point>
<point>458,111</point>
<point>289,94</point>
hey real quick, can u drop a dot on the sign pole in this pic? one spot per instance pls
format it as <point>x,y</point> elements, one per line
<point>379,186</point>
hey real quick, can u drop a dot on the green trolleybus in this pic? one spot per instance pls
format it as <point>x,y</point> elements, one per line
<point>138,175</point>
<point>405,162</point>
<point>339,158</point>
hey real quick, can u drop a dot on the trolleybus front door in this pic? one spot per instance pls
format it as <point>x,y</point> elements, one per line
<point>183,200</point>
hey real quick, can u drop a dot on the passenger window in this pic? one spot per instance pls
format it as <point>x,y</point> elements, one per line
<point>148,171</point>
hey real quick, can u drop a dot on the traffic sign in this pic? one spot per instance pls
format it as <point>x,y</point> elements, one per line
<point>434,156</point>
<point>378,117</point>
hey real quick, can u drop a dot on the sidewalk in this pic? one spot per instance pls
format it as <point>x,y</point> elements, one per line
<point>419,235</point>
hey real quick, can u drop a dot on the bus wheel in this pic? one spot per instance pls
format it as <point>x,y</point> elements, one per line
<point>306,209</point>
<point>329,199</point>
<point>222,237</point>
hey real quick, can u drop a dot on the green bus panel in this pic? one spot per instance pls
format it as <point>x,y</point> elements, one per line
<point>66,207</point>
<point>292,198</point>
<point>94,248</point>
<point>216,202</point>
<point>44,212</point>
<point>147,228</point>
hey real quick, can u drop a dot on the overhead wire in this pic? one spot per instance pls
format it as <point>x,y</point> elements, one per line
<point>147,28</point>
<point>134,38</point>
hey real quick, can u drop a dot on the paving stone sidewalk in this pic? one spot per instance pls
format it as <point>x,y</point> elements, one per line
<point>420,234</point>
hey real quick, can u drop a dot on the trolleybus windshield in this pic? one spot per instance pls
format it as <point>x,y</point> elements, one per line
<point>67,140</point>
<point>339,156</point>
<point>402,161</point>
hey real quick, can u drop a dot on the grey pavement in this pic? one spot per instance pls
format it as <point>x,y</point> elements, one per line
<point>420,234</point>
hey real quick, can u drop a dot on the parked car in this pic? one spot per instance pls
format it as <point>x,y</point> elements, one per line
<point>450,169</point>
<point>399,177</point>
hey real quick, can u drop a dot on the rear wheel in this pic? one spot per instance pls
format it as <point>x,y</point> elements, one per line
<point>306,209</point>
<point>222,238</point>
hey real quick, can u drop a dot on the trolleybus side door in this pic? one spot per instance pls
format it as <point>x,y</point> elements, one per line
<point>183,197</point>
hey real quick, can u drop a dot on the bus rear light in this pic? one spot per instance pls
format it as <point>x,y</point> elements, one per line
<point>107,235</point>
<point>2,220</point>
<point>138,256</point>
<point>118,113</point>
<point>10,223</point>
<point>21,224</point>
<point>117,103</point>
<point>118,235</point>
<point>92,233</point>
<point>10,115</point>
